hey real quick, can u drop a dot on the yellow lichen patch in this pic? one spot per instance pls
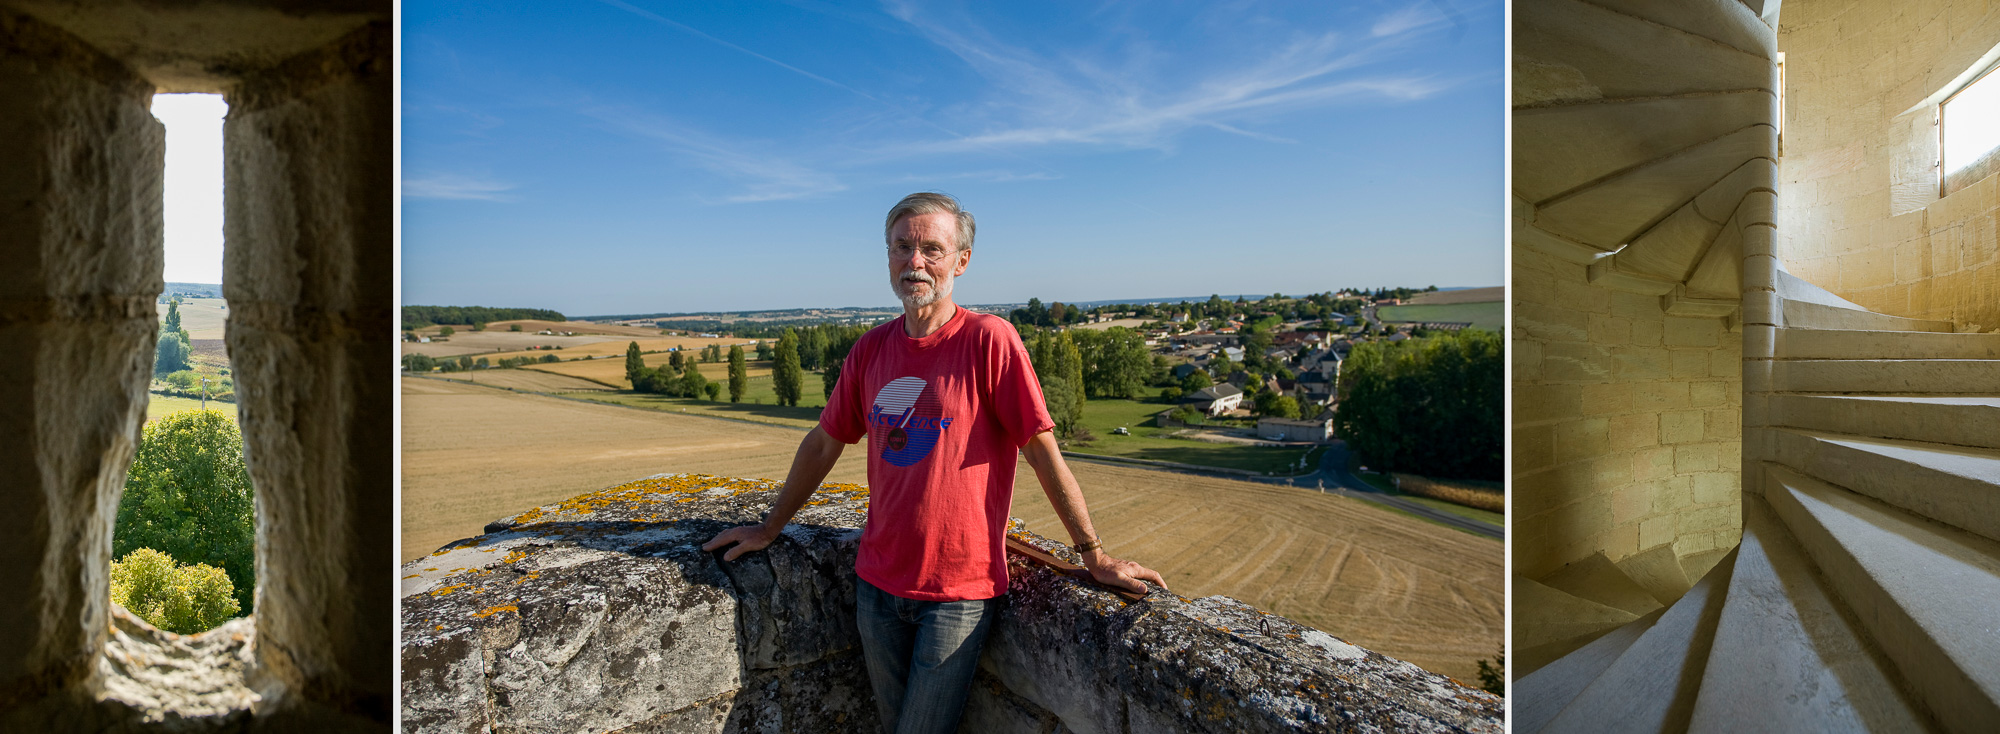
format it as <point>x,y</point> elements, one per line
<point>414,575</point>
<point>514,556</point>
<point>531,575</point>
<point>433,568</point>
<point>448,589</point>
<point>490,611</point>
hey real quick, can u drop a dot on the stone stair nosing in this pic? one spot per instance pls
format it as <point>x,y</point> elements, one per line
<point>1697,565</point>
<point>1596,578</point>
<point>1658,571</point>
<point>1924,592</point>
<point>1801,343</point>
<point>1652,686</point>
<point>1541,694</point>
<point>1951,420</point>
<point>1549,623</point>
<point>1785,656</point>
<point>1807,315</point>
<point>1907,376</point>
<point>1955,485</point>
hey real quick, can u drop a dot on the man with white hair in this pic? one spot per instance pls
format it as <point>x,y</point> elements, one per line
<point>945,398</point>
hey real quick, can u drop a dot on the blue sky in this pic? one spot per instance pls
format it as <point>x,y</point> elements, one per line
<point>629,156</point>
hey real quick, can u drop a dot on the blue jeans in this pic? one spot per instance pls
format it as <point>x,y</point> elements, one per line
<point>921,656</point>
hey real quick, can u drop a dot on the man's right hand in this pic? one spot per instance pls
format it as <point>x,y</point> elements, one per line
<point>746,538</point>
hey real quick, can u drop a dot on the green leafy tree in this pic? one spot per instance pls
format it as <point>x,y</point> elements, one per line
<point>713,390</point>
<point>1276,406</point>
<point>739,374</point>
<point>183,599</point>
<point>172,323</point>
<point>446,331</point>
<point>465,364</point>
<point>1196,380</point>
<point>1059,369</point>
<point>1428,406</point>
<point>675,359</point>
<point>420,363</point>
<point>764,350</point>
<point>188,495</point>
<point>513,327</point>
<point>550,358</point>
<point>633,363</point>
<point>693,382</point>
<point>837,347</point>
<point>786,375</point>
<point>173,353</point>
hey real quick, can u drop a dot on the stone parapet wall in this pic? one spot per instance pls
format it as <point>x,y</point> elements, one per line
<point>1627,422</point>
<point>601,613</point>
<point>1860,212</point>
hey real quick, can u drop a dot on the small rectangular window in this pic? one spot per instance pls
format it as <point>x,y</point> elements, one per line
<point>1969,132</point>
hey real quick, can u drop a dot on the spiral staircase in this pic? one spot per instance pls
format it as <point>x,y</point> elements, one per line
<point>1865,594</point>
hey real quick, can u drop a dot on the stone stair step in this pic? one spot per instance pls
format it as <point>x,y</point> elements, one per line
<point>1598,579</point>
<point>1807,315</point>
<point>1785,658</point>
<point>1956,376</point>
<point>1697,565</point>
<point>1957,421</point>
<point>1549,623</point>
<point>1794,343</point>
<point>1925,592</point>
<point>1652,686</point>
<point>1955,485</point>
<point>1658,571</point>
<point>1540,694</point>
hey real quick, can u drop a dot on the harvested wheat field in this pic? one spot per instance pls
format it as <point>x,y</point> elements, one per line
<point>1402,587</point>
<point>526,380</point>
<point>203,318</point>
<point>611,372</point>
<point>616,347</point>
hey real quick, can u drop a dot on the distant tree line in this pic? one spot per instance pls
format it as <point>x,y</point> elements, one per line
<point>1427,406</point>
<point>420,316</point>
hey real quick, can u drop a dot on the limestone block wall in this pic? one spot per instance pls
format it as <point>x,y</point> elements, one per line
<point>308,159</point>
<point>1861,213</point>
<point>1627,422</point>
<point>602,613</point>
<point>80,164</point>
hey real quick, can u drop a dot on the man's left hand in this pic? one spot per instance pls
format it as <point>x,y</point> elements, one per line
<point>1120,574</point>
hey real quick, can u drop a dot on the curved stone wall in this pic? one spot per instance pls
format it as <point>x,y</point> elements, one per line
<point>602,613</point>
<point>1861,213</point>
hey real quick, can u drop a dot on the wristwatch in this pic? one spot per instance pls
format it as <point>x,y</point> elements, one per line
<point>1082,548</point>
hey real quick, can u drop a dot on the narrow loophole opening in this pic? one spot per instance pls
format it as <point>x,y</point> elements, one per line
<point>184,547</point>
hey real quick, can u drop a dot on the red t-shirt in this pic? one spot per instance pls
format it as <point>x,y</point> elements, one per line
<point>944,416</point>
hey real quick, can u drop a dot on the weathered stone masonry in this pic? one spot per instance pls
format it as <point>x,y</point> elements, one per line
<point>309,232</point>
<point>601,613</point>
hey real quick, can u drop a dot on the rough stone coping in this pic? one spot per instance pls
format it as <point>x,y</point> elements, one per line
<point>188,682</point>
<point>1064,651</point>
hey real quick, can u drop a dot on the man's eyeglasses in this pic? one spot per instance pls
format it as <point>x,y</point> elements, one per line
<point>931,253</point>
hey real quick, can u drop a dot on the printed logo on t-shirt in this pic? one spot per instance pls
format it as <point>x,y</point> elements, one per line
<point>906,420</point>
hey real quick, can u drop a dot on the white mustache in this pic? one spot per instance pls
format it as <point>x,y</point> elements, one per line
<point>919,276</point>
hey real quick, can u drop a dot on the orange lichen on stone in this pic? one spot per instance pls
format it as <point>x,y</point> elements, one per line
<point>490,611</point>
<point>448,589</point>
<point>514,555</point>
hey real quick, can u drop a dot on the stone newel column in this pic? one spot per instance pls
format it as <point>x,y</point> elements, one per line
<point>81,159</point>
<point>309,160</point>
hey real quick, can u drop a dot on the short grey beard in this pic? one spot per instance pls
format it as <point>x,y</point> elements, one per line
<point>938,290</point>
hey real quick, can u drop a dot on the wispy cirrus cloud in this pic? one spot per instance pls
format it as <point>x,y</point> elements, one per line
<point>1076,98</point>
<point>456,187</point>
<point>762,176</point>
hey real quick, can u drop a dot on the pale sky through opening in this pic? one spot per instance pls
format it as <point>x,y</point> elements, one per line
<point>193,185</point>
